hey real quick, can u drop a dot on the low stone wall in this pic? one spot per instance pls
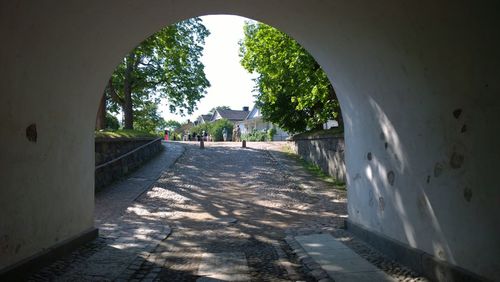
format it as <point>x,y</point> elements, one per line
<point>325,151</point>
<point>117,157</point>
<point>107,149</point>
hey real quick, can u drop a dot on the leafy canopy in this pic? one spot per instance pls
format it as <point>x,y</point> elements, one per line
<point>292,89</point>
<point>218,108</point>
<point>172,124</point>
<point>165,66</point>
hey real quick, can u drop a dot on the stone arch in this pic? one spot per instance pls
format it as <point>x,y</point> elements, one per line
<point>410,78</point>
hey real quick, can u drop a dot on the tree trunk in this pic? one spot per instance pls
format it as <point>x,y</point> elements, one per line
<point>101,114</point>
<point>340,119</point>
<point>127,93</point>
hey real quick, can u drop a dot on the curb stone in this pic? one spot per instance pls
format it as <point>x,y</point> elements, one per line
<point>390,267</point>
<point>313,268</point>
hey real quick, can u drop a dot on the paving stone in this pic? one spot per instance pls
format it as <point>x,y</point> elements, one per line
<point>319,274</point>
<point>376,276</point>
<point>224,266</point>
<point>219,200</point>
<point>226,220</point>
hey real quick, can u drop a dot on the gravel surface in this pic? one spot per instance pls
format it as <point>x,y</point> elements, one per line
<point>215,200</point>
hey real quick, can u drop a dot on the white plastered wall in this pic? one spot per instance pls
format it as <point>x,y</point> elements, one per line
<point>400,70</point>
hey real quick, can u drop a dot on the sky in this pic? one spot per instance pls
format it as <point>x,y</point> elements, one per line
<point>231,84</point>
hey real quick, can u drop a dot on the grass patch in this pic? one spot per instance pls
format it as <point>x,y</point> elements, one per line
<point>314,169</point>
<point>336,132</point>
<point>123,133</point>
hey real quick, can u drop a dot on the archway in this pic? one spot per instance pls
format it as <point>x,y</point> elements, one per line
<point>416,83</point>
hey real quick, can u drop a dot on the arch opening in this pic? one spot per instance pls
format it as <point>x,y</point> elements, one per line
<point>416,71</point>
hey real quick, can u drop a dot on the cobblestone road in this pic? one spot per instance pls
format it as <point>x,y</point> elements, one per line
<point>222,199</point>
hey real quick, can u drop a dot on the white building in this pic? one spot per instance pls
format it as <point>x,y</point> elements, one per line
<point>255,122</point>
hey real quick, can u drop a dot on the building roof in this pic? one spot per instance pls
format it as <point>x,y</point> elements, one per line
<point>203,119</point>
<point>206,118</point>
<point>184,128</point>
<point>233,115</point>
<point>254,113</point>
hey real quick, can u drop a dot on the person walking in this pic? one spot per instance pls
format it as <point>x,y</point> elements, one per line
<point>224,134</point>
<point>238,133</point>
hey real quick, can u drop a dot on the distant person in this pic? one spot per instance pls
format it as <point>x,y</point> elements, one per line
<point>238,133</point>
<point>224,134</point>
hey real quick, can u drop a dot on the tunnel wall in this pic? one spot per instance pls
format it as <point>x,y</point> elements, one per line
<point>417,82</point>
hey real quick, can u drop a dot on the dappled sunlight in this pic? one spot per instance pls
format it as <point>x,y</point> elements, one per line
<point>376,173</point>
<point>391,136</point>
<point>441,248</point>
<point>387,194</point>
<point>409,230</point>
<point>209,206</point>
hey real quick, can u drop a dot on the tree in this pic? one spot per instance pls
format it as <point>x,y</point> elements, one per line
<point>112,122</point>
<point>292,89</point>
<point>219,108</point>
<point>147,117</point>
<point>101,121</point>
<point>172,125</point>
<point>165,66</point>
<point>215,129</point>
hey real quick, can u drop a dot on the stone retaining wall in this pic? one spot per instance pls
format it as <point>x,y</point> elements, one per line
<point>325,151</point>
<point>118,157</point>
<point>107,149</point>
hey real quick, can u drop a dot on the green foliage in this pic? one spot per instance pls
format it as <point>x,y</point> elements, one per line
<point>112,122</point>
<point>178,136</point>
<point>215,129</point>
<point>293,90</point>
<point>165,66</point>
<point>147,118</point>
<point>123,133</point>
<point>172,125</point>
<point>338,132</point>
<point>184,128</point>
<point>257,136</point>
<point>270,133</point>
<point>198,129</point>
<point>219,108</point>
<point>314,169</point>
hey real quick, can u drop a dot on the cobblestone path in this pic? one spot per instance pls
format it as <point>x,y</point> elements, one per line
<point>229,199</point>
<point>219,202</point>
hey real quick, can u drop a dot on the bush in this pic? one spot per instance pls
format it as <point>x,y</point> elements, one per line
<point>112,122</point>
<point>270,133</point>
<point>198,129</point>
<point>255,136</point>
<point>217,128</point>
<point>176,136</point>
<point>214,129</point>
